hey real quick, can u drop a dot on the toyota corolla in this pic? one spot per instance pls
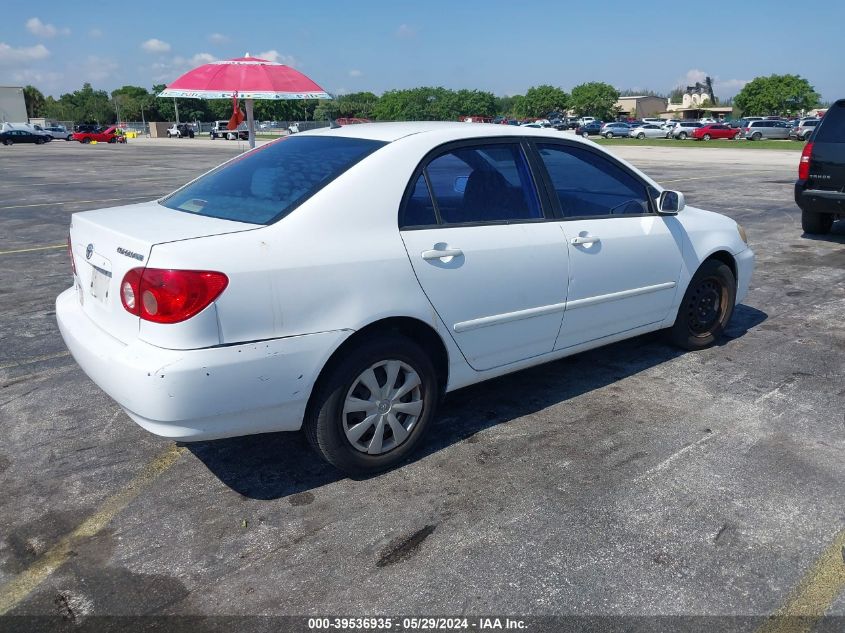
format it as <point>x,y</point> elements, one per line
<point>342,281</point>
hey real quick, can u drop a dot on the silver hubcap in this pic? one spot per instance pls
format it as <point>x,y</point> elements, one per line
<point>382,407</point>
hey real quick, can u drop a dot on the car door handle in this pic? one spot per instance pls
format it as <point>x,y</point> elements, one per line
<point>439,254</point>
<point>589,239</point>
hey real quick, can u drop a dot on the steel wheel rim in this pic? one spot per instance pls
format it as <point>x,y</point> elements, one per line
<point>382,407</point>
<point>706,306</point>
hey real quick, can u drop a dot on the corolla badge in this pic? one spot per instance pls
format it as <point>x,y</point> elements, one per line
<point>89,250</point>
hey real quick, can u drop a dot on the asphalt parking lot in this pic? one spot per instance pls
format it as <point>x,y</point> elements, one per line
<point>629,480</point>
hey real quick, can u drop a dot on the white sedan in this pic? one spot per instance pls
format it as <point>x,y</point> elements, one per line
<point>648,130</point>
<point>343,280</point>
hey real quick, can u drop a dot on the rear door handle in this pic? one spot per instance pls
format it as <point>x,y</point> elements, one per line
<point>439,254</point>
<point>589,239</point>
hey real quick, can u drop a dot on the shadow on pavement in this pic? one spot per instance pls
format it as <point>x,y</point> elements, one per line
<point>276,465</point>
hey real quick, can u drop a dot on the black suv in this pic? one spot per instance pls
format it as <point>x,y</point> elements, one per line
<point>820,188</point>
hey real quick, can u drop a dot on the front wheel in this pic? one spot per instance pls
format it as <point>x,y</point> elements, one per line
<point>370,410</point>
<point>706,308</point>
<point>641,136</point>
<point>585,134</point>
<point>69,137</point>
<point>706,137</point>
<point>85,140</point>
<point>7,141</point>
<point>816,223</point>
<point>682,136</point>
<point>609,135</point>
<point>756,136</point>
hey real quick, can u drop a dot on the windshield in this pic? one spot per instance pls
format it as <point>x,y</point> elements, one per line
<point>265,185</point>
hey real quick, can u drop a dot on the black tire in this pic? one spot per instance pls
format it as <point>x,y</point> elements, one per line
<point>112,140</point>
<point>324,419</point>
<point>816,223</point>
<point>641,136</point>
<point>706,308</point>
<point>609,135</point>
<point>682,136</point>
<point>85,140</point>
<point>585,134</point>
<point>39,141</point>
<point>69,137</point>
<point>8,141</point>
<point>706,137</point>
<point>756,136</point>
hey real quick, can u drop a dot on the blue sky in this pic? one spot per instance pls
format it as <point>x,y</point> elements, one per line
<point>503,47</point>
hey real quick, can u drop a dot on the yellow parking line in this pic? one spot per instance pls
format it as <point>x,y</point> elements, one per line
<point>51,204</point>
<point>814,595</point>
<point>14,591</point>
<point>34,248</point>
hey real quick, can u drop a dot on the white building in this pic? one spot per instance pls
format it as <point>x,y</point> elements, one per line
<point>12,104</point>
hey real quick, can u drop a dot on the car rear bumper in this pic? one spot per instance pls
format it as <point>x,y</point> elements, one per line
<point>200,394</point>
<point>819,200</point>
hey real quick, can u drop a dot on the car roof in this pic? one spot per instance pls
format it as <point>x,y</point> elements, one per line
<point>452,130</point>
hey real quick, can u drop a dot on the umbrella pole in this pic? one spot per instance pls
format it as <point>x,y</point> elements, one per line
<point>250,122</point>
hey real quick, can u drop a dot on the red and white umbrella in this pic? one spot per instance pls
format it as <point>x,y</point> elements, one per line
<point>246,78</point>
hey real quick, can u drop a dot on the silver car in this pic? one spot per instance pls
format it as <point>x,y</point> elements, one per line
<point>683,129</point>
<point>615,128</point>
<point>58,131</point>
<point>647,131</point>
<point>768,128</point>
<point>803,130</point>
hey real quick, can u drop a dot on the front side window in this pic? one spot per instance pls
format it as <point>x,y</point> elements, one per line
<point>586,184</point>
<point>265,185</point>
<point>487,183</point>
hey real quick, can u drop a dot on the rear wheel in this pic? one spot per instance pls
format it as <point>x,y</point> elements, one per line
<point>85,140</point>
<point>706,137</point>
<point>39,141</point>
<point>756,136</point>
<point>7,141</point>
<point>69,137</point>
<point>816,223</point>
<point>682,136</point>
<point>372,408</point>
<point>706,308</point>
<point>641,136</point>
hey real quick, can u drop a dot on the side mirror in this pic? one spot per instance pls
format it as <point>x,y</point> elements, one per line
<point>671,203</point>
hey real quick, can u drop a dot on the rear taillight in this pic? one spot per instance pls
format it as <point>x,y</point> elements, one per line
<point>70,254</point>
<point>169,296</point>
<point>804,164</point>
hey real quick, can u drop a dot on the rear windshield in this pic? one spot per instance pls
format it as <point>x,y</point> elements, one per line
<point>831,129</point>
<point>265,185</point>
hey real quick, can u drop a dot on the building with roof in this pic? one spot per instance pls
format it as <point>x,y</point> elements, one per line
<point>639,106</point>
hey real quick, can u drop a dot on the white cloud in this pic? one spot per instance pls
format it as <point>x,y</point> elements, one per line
<point>156,46</point>
<point>355,73</point>
<point>11,56</point>
<point>40,29</point>
<point>405,32</point>
<point>95,33</point>
<point>97,69</point>
<point>275,56</point>
<point>169,70</point>
<point>721,87</point>
<point>44,81</point>
<point>218,38</point>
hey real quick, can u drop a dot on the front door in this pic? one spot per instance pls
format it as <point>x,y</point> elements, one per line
<point>625,260</point>
<point>494,268</point>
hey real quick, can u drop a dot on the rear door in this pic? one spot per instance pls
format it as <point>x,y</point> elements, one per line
<point>624,259</point>
<point>493,266</point>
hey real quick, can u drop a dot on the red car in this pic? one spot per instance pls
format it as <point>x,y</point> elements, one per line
<point>109,135</point>
<point>714,130</point>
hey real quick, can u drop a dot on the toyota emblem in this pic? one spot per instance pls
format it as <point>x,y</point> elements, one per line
<point>89,250</point>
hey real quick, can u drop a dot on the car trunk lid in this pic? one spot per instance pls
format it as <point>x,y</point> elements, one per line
<point>107,243</point>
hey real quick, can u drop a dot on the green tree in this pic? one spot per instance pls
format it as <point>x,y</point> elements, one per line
<point>35,102</point>
<point>539,101</point>
<point>595,99</point>
<point>130,101</point>
<point>776,94</point>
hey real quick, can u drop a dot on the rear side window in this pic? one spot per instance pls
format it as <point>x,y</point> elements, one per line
<point>831,129</point>
<point>265,185</point>
<point>489,183</point>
